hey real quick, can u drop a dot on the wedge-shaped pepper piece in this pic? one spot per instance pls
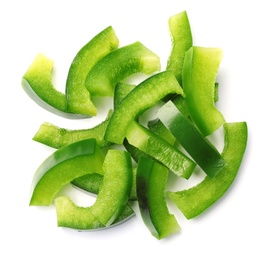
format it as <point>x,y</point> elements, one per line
<point>111,200</point>
<point>192,202</point>
<point>151,182</point>
<point>199,74</point>
<point>141,98</point>
<point>63,166</point>
<point>78,97</point>
<point>181,38</point>
<point>159,149</point>
<point>118,65</point>
<point>198,147</point>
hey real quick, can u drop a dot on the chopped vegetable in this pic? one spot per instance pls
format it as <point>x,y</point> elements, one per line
<point>118,65</point>
<point>141,98</point>
<point>63,166</point>
<point>78,97</point>
<point>199,73</point>
<point>151,182</point>
<point>58,137</point>
<point>37,83</point>
<point>89,159</point>
<point>191,139</point>
<point>111,200</point>
<point>159,149</point>
<point>181,37</point>
<point>194,201</point>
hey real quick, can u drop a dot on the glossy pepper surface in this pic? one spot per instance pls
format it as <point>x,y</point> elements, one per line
<point>192,202</point>
<point>200,148</point>
<point>63,166</point>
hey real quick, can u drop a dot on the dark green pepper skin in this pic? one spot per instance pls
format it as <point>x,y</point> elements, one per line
<point>192,202</point>
<point>199,147</point>
<point>151,182</point>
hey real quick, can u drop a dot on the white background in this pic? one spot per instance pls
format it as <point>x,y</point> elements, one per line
<point>237,227</point>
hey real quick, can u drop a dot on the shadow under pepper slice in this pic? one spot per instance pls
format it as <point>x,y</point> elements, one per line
<point>192,202</point>
<point>200,148</point>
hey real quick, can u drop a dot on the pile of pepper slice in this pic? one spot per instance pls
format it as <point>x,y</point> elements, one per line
<point>186,93</point>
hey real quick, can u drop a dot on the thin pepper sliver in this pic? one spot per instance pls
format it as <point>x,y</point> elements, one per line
<point>194,201</point>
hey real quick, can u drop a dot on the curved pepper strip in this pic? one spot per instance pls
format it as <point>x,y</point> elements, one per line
<point>151,182</point>
<point>192,202</point>
<point>37,83</point>
<point>63,166</point>
<point>181,38</point>
<point>199,73</point>
<point>111,200</point>
<point>118,65</point>
<point>141,98</point>
<point>78,97</point>
<point>200,148</point>
<point>57,137</point>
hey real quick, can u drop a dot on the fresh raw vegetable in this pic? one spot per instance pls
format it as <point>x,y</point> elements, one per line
<point>159,149</point>
<point>112,197</point>
<point>78,97</point>
<point>58,137</point>
<point>191,139</point>
<point>90,160</point>
<point>141,98</point>
<point>181,37</point>
<point>151,182</point>
<point>63,166</point>
<point>118,65</point>
<point>197,199</point>
<point>200,68</point>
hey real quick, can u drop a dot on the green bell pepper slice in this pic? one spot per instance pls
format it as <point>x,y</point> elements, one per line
<point>37,83</point>
<point>159,149</point>
<point>201,150</point>
<point>199,73</point>
<point>78,97</point>
<point>63,166</point>
<point>57,137</point>
<point>111,200</point>
<point>181,38</point>
<point>192,202</point>
<point>141,98</point>
<point>118,65</point>
<point>151,182</point>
